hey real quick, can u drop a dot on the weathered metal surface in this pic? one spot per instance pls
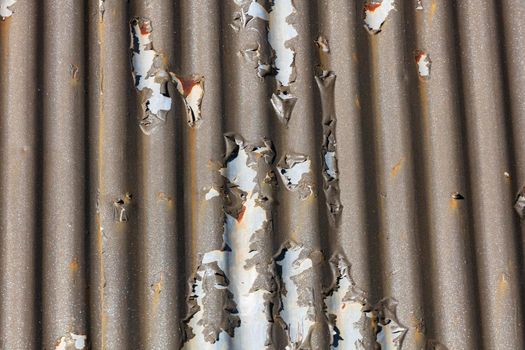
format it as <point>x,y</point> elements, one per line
<point>285,174</point>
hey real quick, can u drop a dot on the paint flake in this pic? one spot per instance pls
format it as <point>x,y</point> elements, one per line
<point>419,6</point>
<point>249,273</point>
<point>279,34</point>
<point>72,341</point>
<point>256,10</point>
<point>376,13</point>
<point>389,331</point>
<point>283,104</point>
<point>150,75</point>
<point>212,193</point>
<point>423,63</point>
<point>192,91</point>
<point>5,10</point>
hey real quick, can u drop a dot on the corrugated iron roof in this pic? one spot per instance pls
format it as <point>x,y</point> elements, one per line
<point>261,174</point>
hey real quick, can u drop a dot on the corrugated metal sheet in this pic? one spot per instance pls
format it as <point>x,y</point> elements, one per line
<point>344,184</point>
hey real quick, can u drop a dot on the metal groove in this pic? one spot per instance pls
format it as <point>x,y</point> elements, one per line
<point>273,174</point>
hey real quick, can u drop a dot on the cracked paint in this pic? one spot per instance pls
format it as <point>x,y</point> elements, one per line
<point>71,341</point>
<point>376,13</point>
<point>5,10</point>
<point>248,272</point>
<point>150,75</point>
<point>192,91</point>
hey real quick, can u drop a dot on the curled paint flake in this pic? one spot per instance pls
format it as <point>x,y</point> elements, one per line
<point>150,75</point>
<point>71,341</point>
<point>295,171</point>
<point>256,10</point>
<point>5,10</point>
<point>192,92</point>
<point>279,34</point>
<point>247,171</point>
<point>283,104</point>
<point>344,305</point>
<point>298,304</point>
<point>376,13</point>
<point>423,63</point>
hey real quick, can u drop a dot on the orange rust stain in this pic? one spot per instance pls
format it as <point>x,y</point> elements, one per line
<point>144,28</point>
<point>157,289</point>
<point>188,84</point>
<point>372,7</point>
<point>453,204</point>
<point>73,265</point>
<point>503,286</point>
<point>396,168</point>
<point>419,55</point>
<point>241,213</point>
<point>433,8</point>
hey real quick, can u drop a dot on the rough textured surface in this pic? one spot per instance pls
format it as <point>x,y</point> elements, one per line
<point>390,178</point>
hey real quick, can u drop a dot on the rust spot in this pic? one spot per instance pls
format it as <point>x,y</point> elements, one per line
<point>188,84</point>
<point>357,102</point>
<point>453,204</point>
<point>241,213</point>
<point>145,28</point>
<point>73,265</point>
<point>372,7</point>
<point>396,168</point>
<point>157,289</point>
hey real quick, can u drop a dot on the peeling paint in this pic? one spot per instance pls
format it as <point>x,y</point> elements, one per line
<point>331,190</point>
<point>246,285</point>
<point>150,75</point>
<point>283,104</point>
<point>344,306</point>
<point>376,13</point>
<point>419,5</point>
<point>101,9</point>
<point>295,171</point>
<point>279,34</point>
<point>5,10</point>
<point>120,208</point>
<point>71,341</point>
<point>389,331</point>
<point>519,203</point>
<point>298,305</point>
<point>423,63</point>
<point>192,91</point>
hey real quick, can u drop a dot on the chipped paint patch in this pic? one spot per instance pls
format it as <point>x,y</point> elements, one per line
<point>295,170</point>
<point>150,75</point>
<point>212,193</point>
<point>71,341</point>
<point>376,13</point>
<point>120,208</point>
<point>298,306</point>
<point>192,91</point>
<point>419,5</point>
<point>423,63</point>
<point>235,281</point>
<point>344,306</point>
<point>5,10</point>
<point>279,34</point>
